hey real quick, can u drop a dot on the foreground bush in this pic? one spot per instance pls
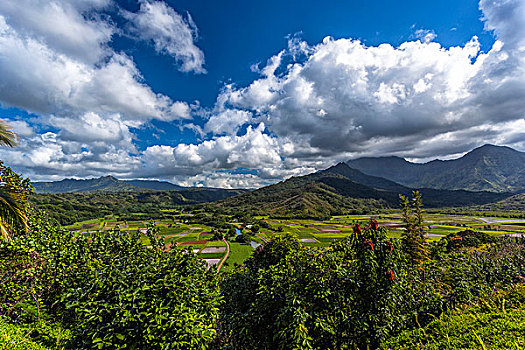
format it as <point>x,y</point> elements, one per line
<point>288,297</point>
<point>496,322</point>
<point>118,293</point>
<point>362,291</point>
<point>14,337</point>
<point>110,290</point>
<point>40,335</point>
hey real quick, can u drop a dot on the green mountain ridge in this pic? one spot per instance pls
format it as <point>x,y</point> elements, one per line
<point>486,168</point>
<point>155,185</point>
<point>341,189</point>
<point>104,183</point>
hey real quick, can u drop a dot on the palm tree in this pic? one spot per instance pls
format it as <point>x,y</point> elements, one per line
<point>12,196</point>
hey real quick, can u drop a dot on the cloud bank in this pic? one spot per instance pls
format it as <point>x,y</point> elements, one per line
<point>56,62</point>
<point>312,105</point>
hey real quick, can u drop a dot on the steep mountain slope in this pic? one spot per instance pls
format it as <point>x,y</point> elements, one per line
<point>341,189</point>
<point>367,180</point>
<point>487,168</point>
<point>316,195</point>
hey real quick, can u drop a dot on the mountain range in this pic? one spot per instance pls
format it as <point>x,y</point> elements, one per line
<point>487,168</point>
<point>105,184</point>
<point>341,189</point>
<point>487,174</point>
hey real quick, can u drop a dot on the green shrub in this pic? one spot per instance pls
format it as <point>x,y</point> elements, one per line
<point>288,297</point>
<point>118,294</point>
<point>110,290</point>
<point>37,336</point>
<point>14,337</point>
<point>467,238</point>
<point>495,322</point>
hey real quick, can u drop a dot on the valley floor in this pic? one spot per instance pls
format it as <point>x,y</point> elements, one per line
<point>179,233</point>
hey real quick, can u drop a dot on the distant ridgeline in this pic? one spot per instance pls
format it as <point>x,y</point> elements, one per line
<point>487,177</point>
<point>105,183</point>
<point>71,200</point>
<point>487,168</point>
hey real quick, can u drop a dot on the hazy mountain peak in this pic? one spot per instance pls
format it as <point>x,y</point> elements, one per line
<point>486,168</point>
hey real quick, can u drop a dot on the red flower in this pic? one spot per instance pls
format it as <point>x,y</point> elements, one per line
<point>357,229</point>
<point>391,277</point>
<point>390,246</point>
<point>374,224</point>
<point>369,243</point>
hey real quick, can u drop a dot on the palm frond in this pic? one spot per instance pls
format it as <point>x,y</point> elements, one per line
<point>12,212</point>
<point>7,136</point>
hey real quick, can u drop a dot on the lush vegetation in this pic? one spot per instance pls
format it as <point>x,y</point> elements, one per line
<point>487,168</point>
<point>306,197</point>
<point>116,289</point>
<point>340,190</point>
<point>110,290</point>
<point>104,183</point>
<point>495,322</point>
<point>68,208</point>
<point>107,290</point>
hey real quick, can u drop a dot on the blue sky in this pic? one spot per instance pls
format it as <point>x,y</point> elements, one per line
<point>242,94</point>
<point>234,35</point>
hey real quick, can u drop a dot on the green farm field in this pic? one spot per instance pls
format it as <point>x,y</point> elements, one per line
<point>179,234</point>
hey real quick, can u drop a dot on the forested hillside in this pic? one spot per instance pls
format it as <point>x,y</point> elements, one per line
<point>68,208</point>
<point>105,184</point>
<point>339,190</point>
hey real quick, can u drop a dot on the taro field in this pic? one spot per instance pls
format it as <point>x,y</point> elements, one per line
<point>198,238</point>
<point>179,235</point>
<point>322,233</point>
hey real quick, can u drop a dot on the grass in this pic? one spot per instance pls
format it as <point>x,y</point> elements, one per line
<point>170,240</point>
<point>238,253</point>
<point>211,255</point>
<point>316,244</point>
<point>257,239</point>
<point>188,238</point>
<point>172,230</point>
<point>305,235</point>
<point>327,239</point>
<point>188,246</point>
<point>215,243</point>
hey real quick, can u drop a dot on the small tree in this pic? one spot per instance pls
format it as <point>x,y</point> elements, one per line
<point>414,242</point>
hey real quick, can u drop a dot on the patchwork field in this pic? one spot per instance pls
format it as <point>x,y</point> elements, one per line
<point>198,238</point>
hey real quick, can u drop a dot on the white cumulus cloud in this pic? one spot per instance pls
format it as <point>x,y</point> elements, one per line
<point>346,99</point>
<point>170,33</point>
